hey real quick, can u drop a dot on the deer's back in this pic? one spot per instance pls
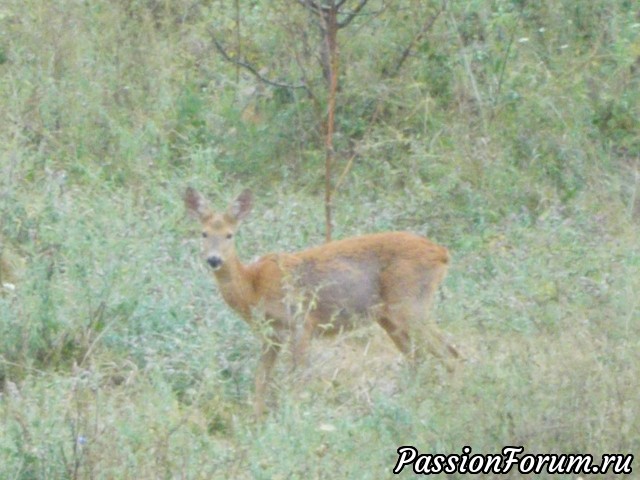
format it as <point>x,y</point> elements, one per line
<point>358,276</point>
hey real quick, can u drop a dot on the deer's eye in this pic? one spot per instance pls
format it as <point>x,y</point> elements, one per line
<point>229,236</point>
<point>204,235</point>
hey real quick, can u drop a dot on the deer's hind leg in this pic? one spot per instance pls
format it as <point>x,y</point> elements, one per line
<point>398,334</point>
<point>413,332</point>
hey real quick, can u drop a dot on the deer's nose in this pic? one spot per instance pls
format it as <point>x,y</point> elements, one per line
<point>214,262</point>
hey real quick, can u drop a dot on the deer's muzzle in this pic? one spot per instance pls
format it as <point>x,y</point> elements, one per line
<point>214,262</point>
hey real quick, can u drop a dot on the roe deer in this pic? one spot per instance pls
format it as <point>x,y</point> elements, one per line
<point>389,278</point>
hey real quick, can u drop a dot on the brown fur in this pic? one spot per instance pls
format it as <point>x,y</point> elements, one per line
<point>389,278</point>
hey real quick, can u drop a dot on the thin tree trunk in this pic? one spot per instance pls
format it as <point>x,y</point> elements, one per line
<point>331,33</point>
<point>238,44</point>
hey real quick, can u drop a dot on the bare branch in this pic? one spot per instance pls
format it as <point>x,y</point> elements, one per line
<point>417,37</point>
<point>253,69</point>
<point>314,7</point>
<point>351,15</point>
<point>304,78</point>
<point>309,4</point>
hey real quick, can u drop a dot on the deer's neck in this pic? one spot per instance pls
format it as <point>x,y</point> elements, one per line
<point>235,281</point>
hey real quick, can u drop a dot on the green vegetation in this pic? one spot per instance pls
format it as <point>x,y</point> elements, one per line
<point>510,134</point>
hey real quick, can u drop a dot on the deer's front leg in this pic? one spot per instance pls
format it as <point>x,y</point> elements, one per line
<point>301,341</point>
<point>270,350</point>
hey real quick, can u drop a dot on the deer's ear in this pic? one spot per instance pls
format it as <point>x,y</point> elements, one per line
<point>241,206</point>
<point>196,204</point>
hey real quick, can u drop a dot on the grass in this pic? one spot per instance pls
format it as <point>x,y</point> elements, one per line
<point>119,359</point>
<point>153,373</point>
